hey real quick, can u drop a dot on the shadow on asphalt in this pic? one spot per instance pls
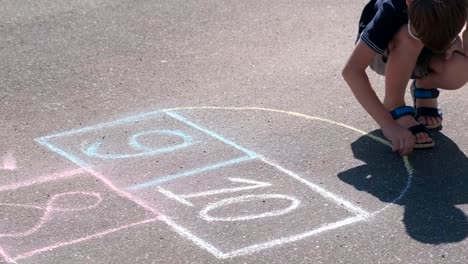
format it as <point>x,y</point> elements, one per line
<point>440,183</point>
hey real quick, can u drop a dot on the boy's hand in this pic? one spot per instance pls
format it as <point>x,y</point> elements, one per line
<point>456,46</point>
<point>402,139</point>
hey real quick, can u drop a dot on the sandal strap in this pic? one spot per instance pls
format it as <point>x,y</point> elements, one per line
<point>402,111</point>
<point>428,111</point>
<point>418,129</point>
<point>420,93</point>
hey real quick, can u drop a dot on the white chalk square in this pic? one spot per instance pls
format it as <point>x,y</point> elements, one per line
<point>247,207</point>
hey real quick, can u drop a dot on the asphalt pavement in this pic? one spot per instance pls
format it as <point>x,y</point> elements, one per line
<point>157,131</point>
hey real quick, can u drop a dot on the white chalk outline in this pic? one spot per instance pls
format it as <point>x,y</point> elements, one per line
<point>248,198</point>
<point>254,185</point>
<point>174,196</point>
<point>361,215</point>
<point>256,247</point>
<point>409,168</point>
<point>181,197</point>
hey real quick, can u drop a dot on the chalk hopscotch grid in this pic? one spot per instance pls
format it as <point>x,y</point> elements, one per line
<point>60,176</point>
<point>360,214</point>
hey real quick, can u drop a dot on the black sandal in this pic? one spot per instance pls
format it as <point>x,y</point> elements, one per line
<point>408,110</point>
<point>418,93</point>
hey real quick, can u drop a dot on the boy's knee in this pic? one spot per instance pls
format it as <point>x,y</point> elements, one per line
<point>452,71</point>
<point>453,85</point>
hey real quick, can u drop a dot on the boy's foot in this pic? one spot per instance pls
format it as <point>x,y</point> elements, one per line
<point>425,102</point>
<point>404,117</point>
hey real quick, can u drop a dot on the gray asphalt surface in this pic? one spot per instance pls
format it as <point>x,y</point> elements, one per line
<point>210,132</point>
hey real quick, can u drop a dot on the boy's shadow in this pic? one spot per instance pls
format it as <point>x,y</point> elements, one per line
<point>439,184</point>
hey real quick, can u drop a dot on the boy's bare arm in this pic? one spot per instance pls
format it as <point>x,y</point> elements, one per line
<point>355,75</point>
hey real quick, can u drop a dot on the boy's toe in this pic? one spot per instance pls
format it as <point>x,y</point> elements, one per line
<point>430,121</point>
<point>423,138</point>
<point>422,120</point>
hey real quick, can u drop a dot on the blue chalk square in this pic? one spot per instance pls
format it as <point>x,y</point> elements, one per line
<point>141,149</point>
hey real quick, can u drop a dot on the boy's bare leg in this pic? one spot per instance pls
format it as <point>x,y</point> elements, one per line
<point>448,75</point>
<point>404,51</point>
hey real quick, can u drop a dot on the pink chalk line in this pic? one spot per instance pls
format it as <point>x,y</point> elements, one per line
<point>43,179</point>
<point>98,235</point>
<point>50,209</point>
<point>6,257</point>
<point>122,193</point>
<point>9,162</point>
<point>45,218</point>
